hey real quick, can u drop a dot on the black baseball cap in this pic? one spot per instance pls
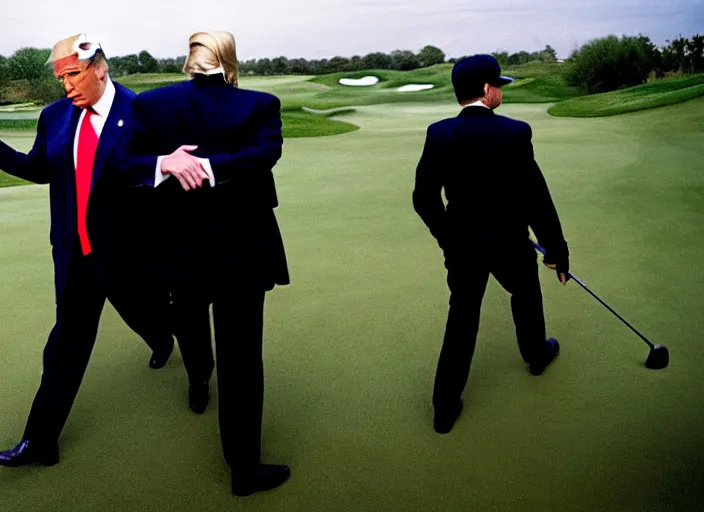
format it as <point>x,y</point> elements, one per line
<point>471,73</point>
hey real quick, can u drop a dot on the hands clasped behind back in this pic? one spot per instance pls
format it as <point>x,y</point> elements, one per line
<point>186,168</point>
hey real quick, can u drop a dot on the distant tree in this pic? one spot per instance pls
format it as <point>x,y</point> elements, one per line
<point>522,57</point>
<point>265,67</point>
<point>125,65</point>
<point>548,54</point>
<point>4,71</point>
<point>4,78</point>
<point>29,64</point>
<point>404,60</point>
<point>501,57</point>
<point>147,63</point>
<point>318,66</point>
<point>246,67</point>
<point>356,63</point>
<point>46,90</point>
<point>674,55</point>
<point>299,67</point>
<point>610,63</point>
<point>337,64</point>
<point>455,60</point>
<point>115,64</point>
<point>430,55</point>
<point>684,55</point>
<point>169,65</point>
<point>279,66</point>
<point>695,50</point>
<point>377,60</point>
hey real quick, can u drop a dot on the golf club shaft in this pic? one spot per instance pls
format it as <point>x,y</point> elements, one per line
<point>583,285</point>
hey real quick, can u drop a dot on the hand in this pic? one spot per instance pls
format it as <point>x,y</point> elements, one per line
<point>184,167</point>
<point>557,259</point>
<point>560,275</point>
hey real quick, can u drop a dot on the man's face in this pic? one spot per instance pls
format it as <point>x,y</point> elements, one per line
<point>84,81</point>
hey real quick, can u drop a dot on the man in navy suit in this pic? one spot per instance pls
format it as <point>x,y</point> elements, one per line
<point>75,137</point>
<point>495,191</point>
<point>222,242</point>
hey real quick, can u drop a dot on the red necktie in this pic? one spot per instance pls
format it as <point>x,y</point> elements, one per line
<point>87,144</point>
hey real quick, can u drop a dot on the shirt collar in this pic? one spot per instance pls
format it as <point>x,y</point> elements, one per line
<point>102,107</point>
<point>477,103</point>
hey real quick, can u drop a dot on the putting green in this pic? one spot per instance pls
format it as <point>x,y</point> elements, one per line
<point>351,345</point>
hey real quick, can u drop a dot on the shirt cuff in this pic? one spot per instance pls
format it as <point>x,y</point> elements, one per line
<point>158,177</point>
<point>208,169</point>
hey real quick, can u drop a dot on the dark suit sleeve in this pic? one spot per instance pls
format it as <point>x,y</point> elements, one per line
<point>427,194</point>
<point>260,153</point>
<point>543,218</point>
<point>133,163</point>
<point>32,166</point>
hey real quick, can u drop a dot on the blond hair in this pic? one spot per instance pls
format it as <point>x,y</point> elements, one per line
<point>210,51</point>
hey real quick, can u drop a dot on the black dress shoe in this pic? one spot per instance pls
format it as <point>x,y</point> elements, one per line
<point>199,396</point>
<point>445,417</point>
<point>161,357</point>
<point>552,348</point>
<point>30,452</point>
<point>265,477</point>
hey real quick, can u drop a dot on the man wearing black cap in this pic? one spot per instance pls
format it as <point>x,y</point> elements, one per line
<point>495,191</point>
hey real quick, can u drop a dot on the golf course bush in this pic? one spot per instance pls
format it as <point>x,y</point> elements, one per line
<point>610,63</point>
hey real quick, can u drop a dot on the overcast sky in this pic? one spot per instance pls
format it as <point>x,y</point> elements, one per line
<point>325,28</point>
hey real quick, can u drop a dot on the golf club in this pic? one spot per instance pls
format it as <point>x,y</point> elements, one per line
<point>659,356</point>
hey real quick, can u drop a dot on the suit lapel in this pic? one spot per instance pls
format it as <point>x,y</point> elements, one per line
<point>115,126</point>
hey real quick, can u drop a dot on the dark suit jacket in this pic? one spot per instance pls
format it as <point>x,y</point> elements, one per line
<point>51,161</point>
<point>228,232</point>
<point>493,186</point>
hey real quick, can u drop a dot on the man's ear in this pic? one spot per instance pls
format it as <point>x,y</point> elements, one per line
<point>101,71</point>
<point>486,89</point>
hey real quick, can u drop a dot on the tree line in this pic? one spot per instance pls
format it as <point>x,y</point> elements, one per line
<point>600,65</point>
<point>27,66</point>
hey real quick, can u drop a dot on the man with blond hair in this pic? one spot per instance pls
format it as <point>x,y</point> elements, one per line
<point>222,240</point>
<point>75,137</point>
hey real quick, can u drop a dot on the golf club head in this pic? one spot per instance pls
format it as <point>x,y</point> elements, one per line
<point>658,358</point>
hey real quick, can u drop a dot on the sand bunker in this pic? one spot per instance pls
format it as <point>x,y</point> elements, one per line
<point>365,81</point>
<point>415,87</point>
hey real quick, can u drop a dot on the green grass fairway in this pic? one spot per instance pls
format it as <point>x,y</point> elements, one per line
<point>21,140</point>
<point>351,346</point>
<point>659,93</point>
